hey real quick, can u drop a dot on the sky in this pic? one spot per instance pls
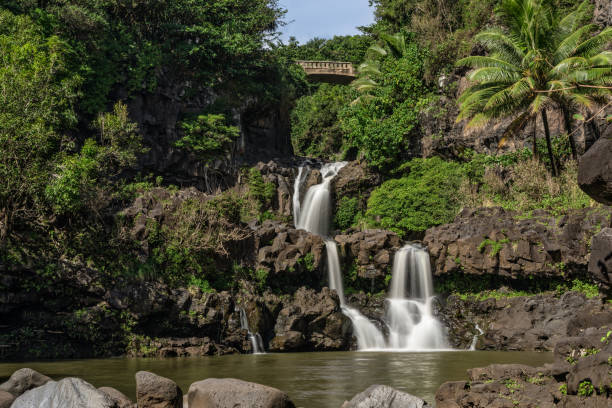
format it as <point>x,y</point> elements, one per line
<point>324,18</point>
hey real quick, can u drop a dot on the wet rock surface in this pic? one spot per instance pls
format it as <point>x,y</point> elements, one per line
<point>496,242</point>
<point>231,393</point>
<point>579,377</point>
<point>382,396</point>
<point>526,323</point>
<point>69,392</point>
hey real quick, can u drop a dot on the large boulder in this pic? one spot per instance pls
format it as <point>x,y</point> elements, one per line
<point>153,391</point>
<point>23,380</point>
<point>232,393</point>
<point>595,171</point>
<point>382,396</point>
<point>69,392</point>
<point>119,398</point>
<point>600,263</point>
<point>6,399</point>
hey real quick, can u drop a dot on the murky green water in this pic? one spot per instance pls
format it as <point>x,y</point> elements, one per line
<point>312,380</point>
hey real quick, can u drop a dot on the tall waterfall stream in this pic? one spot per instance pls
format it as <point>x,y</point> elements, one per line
<point>410,320</point>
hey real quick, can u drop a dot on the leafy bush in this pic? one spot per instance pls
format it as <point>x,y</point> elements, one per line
<point>426,197</point>
<point>207,136</point>
<point>315,127</point>
<point>585,389</point>
<point>346,212</point>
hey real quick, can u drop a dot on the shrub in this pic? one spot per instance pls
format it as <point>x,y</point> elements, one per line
<point>207,136</point>
<point>346,212</point>
<point>585,389</point>
<point>426,197</point>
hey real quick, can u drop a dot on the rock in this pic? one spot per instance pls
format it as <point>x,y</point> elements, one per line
<point>355,179</point>
<point>69,392</point>
<point>600,263</point>
<point>153,391</point>
<point>6,399</point>
<point>603,13</point>
<point>382,396</point>
<point>311,321</point>
<point>232,393</point>
<point>496,242</point>
<point>595,171</point>
<point>120,399</point>
<point>23,380</point>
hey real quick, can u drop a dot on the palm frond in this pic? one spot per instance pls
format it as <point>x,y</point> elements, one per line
<point>570,44</point>
<point>595,44</point>
<point>478,61</point>
<point>501,44</point>
<point>494,74</point>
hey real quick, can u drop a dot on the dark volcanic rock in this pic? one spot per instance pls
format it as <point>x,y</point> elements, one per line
<point>232,393</point>
<point>153,391</point>
<point>523,323</point>
<point>311,321</point>
<point>355,180</point>
<point>595,171</point>
<point>554,385</point>
<point>382,396</point>
<point>23,380</point>
<point>600,263</point>
<point>69,392</point>
<point>492,241</point>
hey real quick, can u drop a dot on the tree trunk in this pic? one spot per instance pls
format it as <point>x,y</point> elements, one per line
<point>535,138</point>
<point>551,156</point>
<point>568,129</point>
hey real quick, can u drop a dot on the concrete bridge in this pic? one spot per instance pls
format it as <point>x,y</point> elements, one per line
<point>329,71</point>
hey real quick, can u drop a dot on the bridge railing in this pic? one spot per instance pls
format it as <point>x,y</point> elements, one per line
<point>327,67</point>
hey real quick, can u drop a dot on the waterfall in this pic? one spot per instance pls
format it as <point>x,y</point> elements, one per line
<point>315,218</point>
<point>255,339</point>
<point>475,339</point>
<point>301,177</point>
<point>412,324</point>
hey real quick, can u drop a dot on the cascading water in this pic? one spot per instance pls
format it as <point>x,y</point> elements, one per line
<point>255,338</point>
<point>412,324</point>
<point>301,177</point>
<point>475,339</point>
<point>315,217</point>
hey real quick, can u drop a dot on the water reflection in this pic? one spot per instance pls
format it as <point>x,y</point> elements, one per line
<point>313,380</point>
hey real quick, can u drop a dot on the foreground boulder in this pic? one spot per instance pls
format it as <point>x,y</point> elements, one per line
<point>69,392</point>
<point>232,393</point>
<point>23,380</point>
<point>6,399</point>
<point>595,171</point>
<point>600,264</point>
<point>119,398</point>
<point>153,391</point>
<point>383,396</point>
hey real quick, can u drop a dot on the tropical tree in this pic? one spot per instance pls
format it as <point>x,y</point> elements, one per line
<point>539,62</point>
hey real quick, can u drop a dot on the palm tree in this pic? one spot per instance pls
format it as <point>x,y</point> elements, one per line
<point>534,66</point>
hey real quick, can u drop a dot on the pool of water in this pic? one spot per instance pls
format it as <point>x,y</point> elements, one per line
<point>312,380</point>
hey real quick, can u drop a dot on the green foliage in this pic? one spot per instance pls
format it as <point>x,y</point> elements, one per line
<point>585,389</point>
<point>207,136</point>
<point>606,339</point>
<point>496,246</point>
<point>346,213</point>
<point>200,283</point>
<point>563,389</point>
<point>590,290</point>
<point>307,261</point>
<point>350,48</point>
<point>424,198</point>
<point>261,276</point>
<point>315,127</point>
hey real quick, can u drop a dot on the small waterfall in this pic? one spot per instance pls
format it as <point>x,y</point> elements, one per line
<point>316,218</point>
<point>412,325</point>
<point>256,340</point>
<point>475,339</point>
<point>297,186</point>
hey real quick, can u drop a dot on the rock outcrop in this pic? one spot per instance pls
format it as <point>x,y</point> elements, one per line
<point>69,392</point>
<point>231,393</point>
<point>23,380</point>
<point>600,263</point>
<point>382,396</point>
<point>526,323</point>
<point>595,170</point>
<point>579,377</point>
<point>153,391</point>
<point>493,241</point>
<point>311,321</point>
<point>120,399</point>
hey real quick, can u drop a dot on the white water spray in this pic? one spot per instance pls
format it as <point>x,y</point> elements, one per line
<point>297,186</point>
<point>412,324</point>
<point>475,339</point>
<point>255,338</point>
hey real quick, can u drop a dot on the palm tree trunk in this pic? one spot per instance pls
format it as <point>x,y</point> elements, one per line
<point>568,129</point>
<point>535,138</point>
<point>551,156</point>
